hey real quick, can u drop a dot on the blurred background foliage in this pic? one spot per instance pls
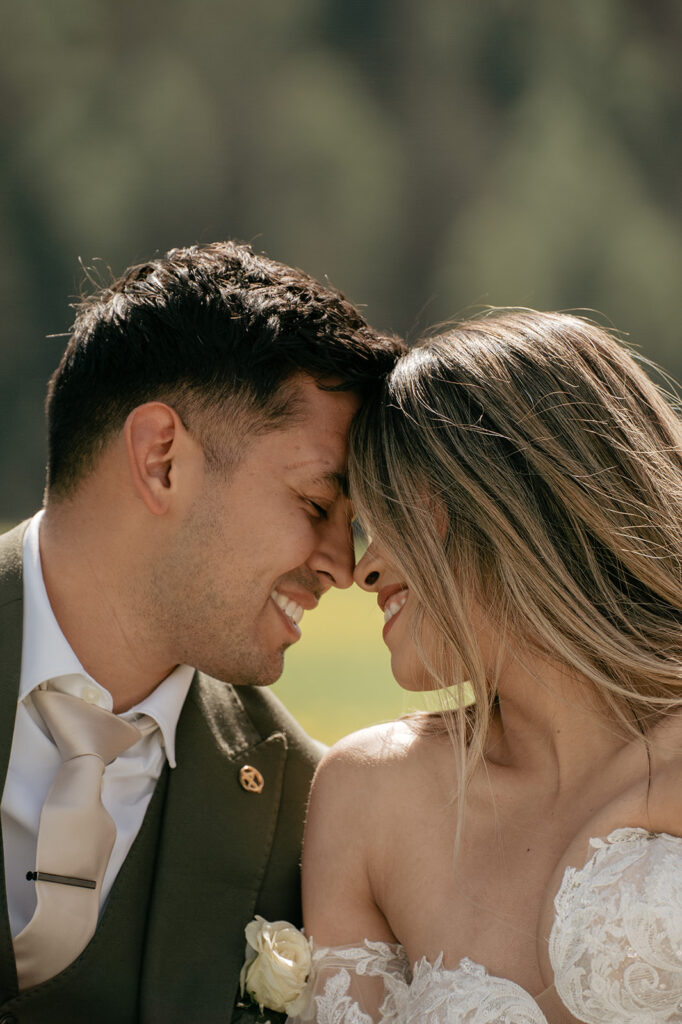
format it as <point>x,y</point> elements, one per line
<point>426,157</point>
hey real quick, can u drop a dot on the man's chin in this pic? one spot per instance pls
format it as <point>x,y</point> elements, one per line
<point>265,673</point>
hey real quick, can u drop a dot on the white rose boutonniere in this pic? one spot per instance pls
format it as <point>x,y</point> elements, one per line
<point>278,963</point>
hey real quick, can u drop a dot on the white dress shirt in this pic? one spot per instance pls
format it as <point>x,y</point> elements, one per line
<point>128,783</point>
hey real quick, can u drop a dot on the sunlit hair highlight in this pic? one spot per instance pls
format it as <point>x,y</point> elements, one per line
<point>524,461</point>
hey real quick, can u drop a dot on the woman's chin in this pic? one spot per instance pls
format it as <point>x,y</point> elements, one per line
<point>413,678</point>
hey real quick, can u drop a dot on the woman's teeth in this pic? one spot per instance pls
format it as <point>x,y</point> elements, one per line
<point>394,604</point>
<point>289,607</point>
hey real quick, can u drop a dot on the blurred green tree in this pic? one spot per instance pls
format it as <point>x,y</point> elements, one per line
<point>425,157</point>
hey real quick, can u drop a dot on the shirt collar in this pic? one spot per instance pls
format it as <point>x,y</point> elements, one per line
<point>164,705</point>
<point>47,654</point>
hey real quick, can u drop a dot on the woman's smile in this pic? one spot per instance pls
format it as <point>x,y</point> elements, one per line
<point>391,600</point>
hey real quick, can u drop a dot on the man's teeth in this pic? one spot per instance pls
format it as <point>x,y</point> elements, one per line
<point>289,607</point>
<point>394,604</point>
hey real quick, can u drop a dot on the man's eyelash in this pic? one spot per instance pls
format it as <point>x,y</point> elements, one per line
<point>320,511</point>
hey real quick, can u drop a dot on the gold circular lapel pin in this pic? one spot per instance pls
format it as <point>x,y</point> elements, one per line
<point>251,779</point>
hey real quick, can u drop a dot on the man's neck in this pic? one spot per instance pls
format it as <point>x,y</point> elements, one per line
<point>91,587</point>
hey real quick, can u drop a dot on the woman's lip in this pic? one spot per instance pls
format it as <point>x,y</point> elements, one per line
<point>387,592</point>
<point>390,622</point>
<point>395,614</point>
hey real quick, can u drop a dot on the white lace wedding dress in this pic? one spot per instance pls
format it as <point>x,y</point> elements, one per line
<point>615,949</point>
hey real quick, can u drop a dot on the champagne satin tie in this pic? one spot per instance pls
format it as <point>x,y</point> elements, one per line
<point>75,837</point>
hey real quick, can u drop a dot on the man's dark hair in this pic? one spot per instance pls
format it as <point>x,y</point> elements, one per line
<point>216,331</point>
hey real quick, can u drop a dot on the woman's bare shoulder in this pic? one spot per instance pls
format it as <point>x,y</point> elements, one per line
<point>384,758</point>
<point>375,746</point>
<point>353,801</point>
<point>372,774</point>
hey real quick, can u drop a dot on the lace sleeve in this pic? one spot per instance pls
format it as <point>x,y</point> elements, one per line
<point>354,985</point>
<point>373,983</point>
<point>616,942</point>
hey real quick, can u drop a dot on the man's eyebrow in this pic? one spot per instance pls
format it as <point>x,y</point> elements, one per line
<point>339,481</point>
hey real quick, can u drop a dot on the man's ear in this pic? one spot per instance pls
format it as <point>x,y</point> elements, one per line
<point>154,435</point>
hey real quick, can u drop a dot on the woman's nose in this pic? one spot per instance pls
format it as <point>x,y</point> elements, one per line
<point>368,569</point>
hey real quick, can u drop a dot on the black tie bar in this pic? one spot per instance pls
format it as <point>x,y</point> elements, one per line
<point>43,876</point>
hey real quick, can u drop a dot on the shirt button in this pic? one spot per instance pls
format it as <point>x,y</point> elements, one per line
<point>91,695</point>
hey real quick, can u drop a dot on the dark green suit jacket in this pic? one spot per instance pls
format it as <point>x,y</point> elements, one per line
<point>209,855</point>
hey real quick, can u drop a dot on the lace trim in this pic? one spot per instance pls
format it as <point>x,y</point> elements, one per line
<point>465,995</point>
<point>616,942</point>
<point>431,994</point>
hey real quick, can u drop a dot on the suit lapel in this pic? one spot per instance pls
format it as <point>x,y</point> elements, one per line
<point>11,631</point>
<point>214,848</point>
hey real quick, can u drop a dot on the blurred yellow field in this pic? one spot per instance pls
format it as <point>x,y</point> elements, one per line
<point>337,678</point>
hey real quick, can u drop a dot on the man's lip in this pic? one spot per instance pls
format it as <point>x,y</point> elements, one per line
<point>306,600</point>
<point>292,626</point>
<point>387,592</point>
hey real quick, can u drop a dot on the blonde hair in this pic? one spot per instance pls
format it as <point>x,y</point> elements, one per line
<point>523,459</point>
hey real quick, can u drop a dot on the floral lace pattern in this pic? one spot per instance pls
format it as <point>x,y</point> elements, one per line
<point>466,995</point>
<point>616,943</point>
<point>352,984</point>
<point>615,949</point>
<point>430,995</point>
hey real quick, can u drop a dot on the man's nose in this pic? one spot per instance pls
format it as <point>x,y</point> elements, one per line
<point>334,558</point>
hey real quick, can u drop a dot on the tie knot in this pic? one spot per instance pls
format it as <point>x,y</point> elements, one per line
<point>80,728</point>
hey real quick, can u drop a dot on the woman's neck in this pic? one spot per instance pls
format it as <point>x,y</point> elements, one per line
<point>550,723</point>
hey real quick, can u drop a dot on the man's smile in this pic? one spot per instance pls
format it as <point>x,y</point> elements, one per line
<point>291,608</point>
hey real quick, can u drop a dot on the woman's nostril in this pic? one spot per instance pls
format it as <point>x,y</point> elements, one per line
<point>371,578</point>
